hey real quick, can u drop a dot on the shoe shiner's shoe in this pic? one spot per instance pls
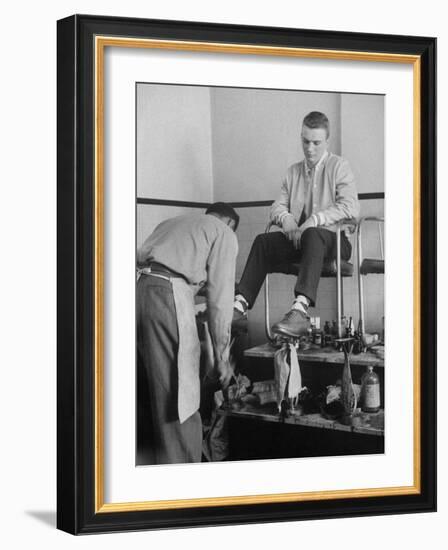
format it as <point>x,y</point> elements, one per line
<point>294,324</point>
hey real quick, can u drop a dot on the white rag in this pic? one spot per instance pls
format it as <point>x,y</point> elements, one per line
<point>295,376</point>
<point>288,378</point>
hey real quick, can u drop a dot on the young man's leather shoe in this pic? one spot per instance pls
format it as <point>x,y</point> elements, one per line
<point>294,324</point>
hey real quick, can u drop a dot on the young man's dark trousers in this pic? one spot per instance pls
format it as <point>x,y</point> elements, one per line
<point>271,249</point>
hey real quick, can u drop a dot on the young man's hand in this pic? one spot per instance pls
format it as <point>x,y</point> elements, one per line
<point>289,227</point>
<point>295,238</point>
<point>297,234</point>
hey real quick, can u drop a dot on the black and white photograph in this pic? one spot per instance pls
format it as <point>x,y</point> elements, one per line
<point>260,262</point>
<point>190,360</point>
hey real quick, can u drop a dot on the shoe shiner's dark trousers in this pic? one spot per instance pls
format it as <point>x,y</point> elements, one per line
<point>168,441</point>
<point>271,249</point>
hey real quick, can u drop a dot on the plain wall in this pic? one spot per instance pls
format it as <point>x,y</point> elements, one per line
<point>362,143</point>
<point>256,136</point>
<point>362,139</point>
<point>174,158</point>
<point>174,150</point>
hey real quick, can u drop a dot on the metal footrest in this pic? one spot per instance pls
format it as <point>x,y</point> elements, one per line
<point>372,265</point>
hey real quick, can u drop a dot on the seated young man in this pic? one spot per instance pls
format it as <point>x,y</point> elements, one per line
<point>316,193</point>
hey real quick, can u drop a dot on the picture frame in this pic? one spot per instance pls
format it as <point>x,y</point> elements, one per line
<point>82,42</point>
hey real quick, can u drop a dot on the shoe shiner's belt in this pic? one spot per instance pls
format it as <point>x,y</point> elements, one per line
<point>159,270</point>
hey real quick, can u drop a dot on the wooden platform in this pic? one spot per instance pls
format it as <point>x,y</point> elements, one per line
<point>322,355</point>
<point>363,423</point>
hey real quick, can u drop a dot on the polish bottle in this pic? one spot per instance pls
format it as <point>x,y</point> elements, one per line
<point>350,328</point>
<point>327,339</point>
<point>334,334</point>
<point>317,335</point>
<point>344,326</point>
<point>311,329</point>
<point>334,329</point>
<point>370,391</point>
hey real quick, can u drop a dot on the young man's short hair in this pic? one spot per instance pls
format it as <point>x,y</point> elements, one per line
<point>316,119</point>
<point>225,210</point>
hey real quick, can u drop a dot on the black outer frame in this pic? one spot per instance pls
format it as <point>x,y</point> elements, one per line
<point>75,294</point>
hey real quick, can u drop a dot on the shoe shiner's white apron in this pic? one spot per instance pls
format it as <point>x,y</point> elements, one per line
<point>189,352</point>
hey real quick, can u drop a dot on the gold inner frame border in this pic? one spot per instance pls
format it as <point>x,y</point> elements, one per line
<point>100,43</point>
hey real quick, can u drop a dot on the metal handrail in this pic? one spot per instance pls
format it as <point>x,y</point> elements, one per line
<point>350,224</point>
<point>379,220</point>
<point>266,298</point>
